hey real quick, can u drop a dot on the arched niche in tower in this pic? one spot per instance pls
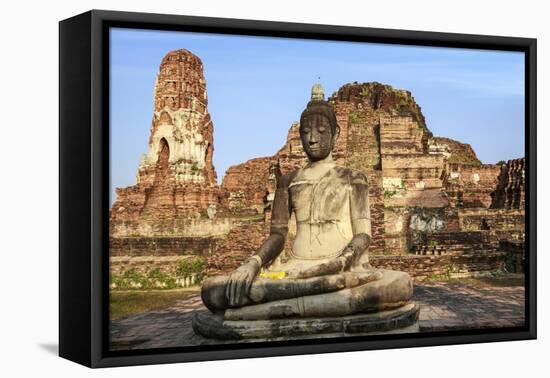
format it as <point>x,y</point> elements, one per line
<point>163,154</point>
<point>165,119</point>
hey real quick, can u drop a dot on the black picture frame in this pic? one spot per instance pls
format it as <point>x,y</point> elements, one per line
<point>84,193</point>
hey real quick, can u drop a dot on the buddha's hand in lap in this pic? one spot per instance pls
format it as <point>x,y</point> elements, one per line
<point>335,266</point>
<point>239,282</point>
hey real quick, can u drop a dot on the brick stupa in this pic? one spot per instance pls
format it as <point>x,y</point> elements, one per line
<point>424,191</point>
<point>176,178</point>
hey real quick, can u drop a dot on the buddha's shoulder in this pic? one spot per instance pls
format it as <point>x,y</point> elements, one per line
<point>353,176</point>
<point>285,180</point>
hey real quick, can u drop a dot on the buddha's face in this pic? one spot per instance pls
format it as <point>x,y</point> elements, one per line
<point>317,137</point>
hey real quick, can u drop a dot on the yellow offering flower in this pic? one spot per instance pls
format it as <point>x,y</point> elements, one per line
<point>273,275</point>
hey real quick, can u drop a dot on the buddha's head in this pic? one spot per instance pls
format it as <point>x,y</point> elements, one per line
<point>318,127</point>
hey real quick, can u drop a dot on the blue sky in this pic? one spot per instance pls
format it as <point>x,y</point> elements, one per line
<point>257,86</point>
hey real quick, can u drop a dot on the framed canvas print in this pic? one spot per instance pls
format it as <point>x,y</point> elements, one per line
<point>234,188</point>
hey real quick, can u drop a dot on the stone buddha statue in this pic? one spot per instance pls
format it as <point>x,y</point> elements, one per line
<point>327,273</point>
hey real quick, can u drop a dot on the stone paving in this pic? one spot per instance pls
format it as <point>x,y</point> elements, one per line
<point>443,307</point>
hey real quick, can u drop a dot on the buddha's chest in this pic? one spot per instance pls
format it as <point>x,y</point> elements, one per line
<point>319,201</point>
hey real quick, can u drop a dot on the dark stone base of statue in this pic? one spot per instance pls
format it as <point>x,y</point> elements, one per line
<point>380,303</point>
<point>399,320</point>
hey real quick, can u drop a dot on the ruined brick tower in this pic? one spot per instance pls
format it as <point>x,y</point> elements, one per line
<point>423,190</point>
<point>176,178</point>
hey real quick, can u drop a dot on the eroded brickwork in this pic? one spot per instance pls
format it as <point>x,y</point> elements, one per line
<point>422,267</point>
<point>434,206</point>
<point>245,187</point>
<point>421,188</point>
<point>163,246</point>
<point>472,186</point>
<point>510,192</point>
<point>176,178</point>
<point>237,247</point>
<point>170,211</point>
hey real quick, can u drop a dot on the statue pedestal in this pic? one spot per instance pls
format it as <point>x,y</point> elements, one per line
<point>400,320</point>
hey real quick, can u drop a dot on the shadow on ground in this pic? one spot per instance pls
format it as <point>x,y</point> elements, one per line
<point>52,348</point>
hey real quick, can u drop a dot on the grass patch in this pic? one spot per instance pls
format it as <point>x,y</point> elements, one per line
<point>126,303</point>
<point>132,279</point>
<point>192,266</point>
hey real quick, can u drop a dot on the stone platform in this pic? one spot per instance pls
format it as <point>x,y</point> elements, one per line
<point>443,307</point>
<point>213,326</point>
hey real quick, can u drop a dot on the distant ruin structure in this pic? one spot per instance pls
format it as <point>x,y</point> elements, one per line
<point>435,207</point>
<point>176,178</point>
